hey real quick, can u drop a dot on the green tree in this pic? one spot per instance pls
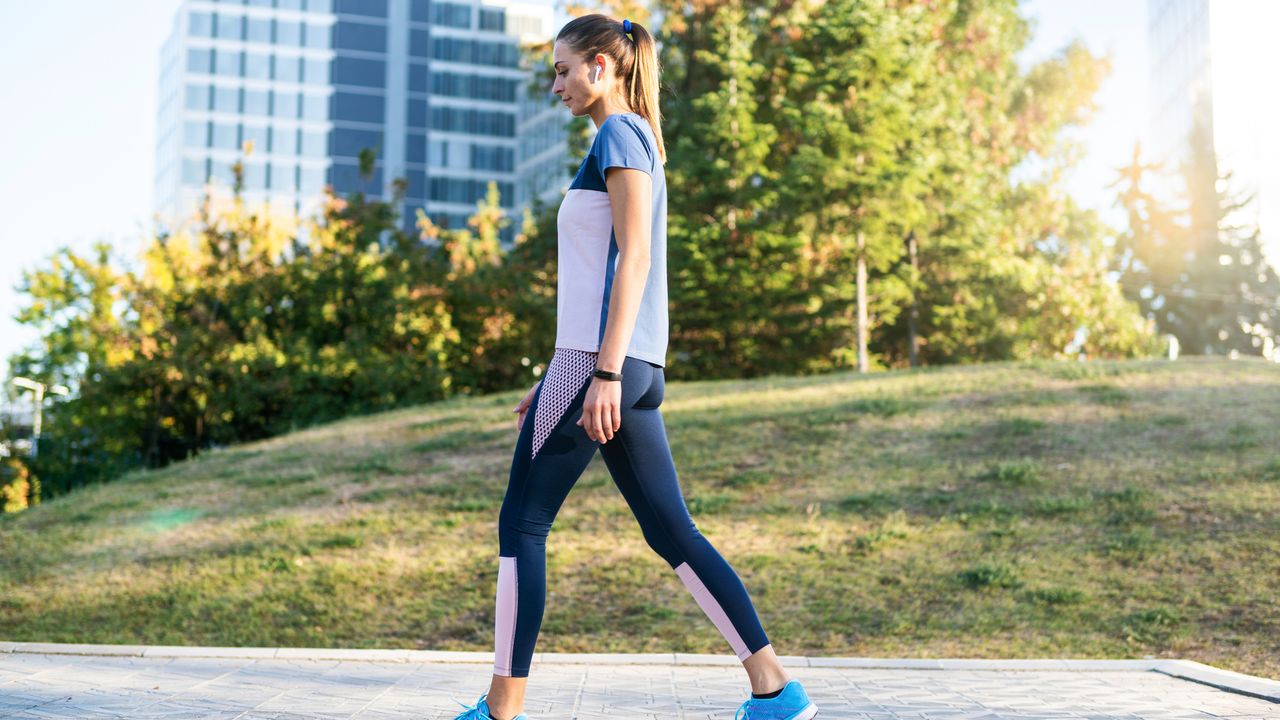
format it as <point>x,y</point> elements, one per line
<point>1195,270</point>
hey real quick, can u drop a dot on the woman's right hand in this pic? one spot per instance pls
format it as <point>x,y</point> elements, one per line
<point>523,407</point>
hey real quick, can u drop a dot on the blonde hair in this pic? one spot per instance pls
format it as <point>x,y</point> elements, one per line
<point>636,60</point>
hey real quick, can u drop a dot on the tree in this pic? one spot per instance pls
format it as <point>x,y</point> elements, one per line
<point>1196,271</point>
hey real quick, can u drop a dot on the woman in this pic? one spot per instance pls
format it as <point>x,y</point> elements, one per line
<point>604,382</point>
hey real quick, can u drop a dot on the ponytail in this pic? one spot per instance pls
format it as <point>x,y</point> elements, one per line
<point>635,56</point>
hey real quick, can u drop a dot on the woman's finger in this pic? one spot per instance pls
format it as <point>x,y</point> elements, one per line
<point>601,411</point>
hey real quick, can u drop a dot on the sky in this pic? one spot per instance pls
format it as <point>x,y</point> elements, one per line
<point>78,86</point>
<point>1116,29</point>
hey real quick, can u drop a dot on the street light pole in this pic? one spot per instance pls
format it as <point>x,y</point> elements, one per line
<point>38,388</point>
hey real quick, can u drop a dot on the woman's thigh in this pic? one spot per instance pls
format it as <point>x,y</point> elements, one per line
<point>552,454</point>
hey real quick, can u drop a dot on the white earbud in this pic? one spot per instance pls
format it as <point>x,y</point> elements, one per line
<point>599,68</point>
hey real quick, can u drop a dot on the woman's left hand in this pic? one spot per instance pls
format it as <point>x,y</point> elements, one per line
<point>602,409</point>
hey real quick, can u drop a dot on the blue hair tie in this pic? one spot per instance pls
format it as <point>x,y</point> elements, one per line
<point>626,26</point>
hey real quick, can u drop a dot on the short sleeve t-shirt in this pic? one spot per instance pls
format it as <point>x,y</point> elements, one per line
<point>588,245</point>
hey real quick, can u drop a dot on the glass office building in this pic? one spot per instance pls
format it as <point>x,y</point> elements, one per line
<point>435,89</point>
<point>1209,61</point>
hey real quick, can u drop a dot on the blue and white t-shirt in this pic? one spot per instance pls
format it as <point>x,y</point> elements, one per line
<point>588,246</point>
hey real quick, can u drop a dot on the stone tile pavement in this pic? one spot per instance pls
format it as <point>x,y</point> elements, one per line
<point>43,680</point>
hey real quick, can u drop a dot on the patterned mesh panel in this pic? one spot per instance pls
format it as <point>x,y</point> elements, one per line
<point>567,372</point>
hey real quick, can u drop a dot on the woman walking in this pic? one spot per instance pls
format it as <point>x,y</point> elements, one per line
<point>604,383</point>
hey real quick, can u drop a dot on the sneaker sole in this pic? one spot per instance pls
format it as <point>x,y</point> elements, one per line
<point>806,713</point>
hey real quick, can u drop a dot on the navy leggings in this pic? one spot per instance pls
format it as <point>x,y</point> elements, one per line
<point>551,453</point>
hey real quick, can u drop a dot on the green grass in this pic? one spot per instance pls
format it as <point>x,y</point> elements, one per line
<point>1031,509</point>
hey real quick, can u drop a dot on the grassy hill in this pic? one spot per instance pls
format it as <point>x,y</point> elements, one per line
<point>1001,510</point>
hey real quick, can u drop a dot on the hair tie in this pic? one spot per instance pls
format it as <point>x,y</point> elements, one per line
<point>626,26</point>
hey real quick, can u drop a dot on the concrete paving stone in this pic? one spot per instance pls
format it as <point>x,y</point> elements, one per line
<point>77,649</point>
<point>191,651</point>
<point>697,687</point>
<point>379,655</point>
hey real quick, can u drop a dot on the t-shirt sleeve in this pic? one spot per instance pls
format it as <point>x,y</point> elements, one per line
<point>623,145</point>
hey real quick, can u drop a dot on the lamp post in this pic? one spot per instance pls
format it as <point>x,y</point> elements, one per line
<point>39,389</point>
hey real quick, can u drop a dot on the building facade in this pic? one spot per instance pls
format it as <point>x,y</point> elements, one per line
<point>1209,61</point>
<point>435,89</point>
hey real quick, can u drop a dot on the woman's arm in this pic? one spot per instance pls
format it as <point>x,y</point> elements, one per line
<point>630,199</point>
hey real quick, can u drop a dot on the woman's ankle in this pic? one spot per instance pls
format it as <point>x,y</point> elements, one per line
<point>503,713</point>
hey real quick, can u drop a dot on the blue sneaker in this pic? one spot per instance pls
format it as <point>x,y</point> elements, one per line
<point>790,704</point>
<point>480,711</point>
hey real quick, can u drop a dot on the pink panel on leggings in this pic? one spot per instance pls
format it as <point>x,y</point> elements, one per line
<point>504,625</point>
<point>566,373</point>
<point>713,610</point>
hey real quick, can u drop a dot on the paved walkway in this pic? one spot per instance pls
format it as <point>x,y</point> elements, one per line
<point>40,680</point>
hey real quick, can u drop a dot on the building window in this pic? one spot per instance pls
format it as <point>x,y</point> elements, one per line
<point>371,8</point>
<point>492,157</point>
<point>348,142</point>
<point>195,134</point>
<point>197,97</point>
<point>257,103</point>
<point>259,135</point>
<point>459,190</point>
<point>419,44</point>
<point>259,30</point>
<point>284,176</point>
<point>312,180</point>
<point>227,63</point>
<point>420,10</point>
<point>315,143</point>
<point>284,141</point>
<point>357,108</point>
<point>360,72</point>
<point>288,69</point>
<point>315,108</point>
<point>318,35</point>
<point>466,120</point>
<point>451,14</point>
<point>417,113</point>
<point>479,87</point>
<point>200,24</point>
<point>417,185</point>
<point>288,33</point>
<point>200,61</point>
<point>346,178</point>
<point>195,171</point>
<point>475,51</point>
<point>229,26</point>
<point>493,19</point>
<point>285,104</point>
<point>226,99</point>
<point>364,37</point>
<point>415,148</point>
<point>418,78</point>
<point>257,66</point>
<point>226,136</point>
<point>438,153</point>
<point>317,72</point>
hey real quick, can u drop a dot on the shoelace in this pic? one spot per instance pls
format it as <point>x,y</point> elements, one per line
<point>475,709</point>
<point>746,705</point>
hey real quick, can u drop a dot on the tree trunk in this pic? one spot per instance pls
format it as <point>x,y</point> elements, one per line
<point>862,304</point>
<point>913,324</point>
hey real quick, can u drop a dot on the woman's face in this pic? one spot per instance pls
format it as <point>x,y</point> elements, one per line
<point>573,81</point>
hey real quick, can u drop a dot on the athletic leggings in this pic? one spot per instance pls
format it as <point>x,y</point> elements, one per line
<point>551,452</point>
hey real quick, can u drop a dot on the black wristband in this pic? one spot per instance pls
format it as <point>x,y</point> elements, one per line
<point>606,375</point>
